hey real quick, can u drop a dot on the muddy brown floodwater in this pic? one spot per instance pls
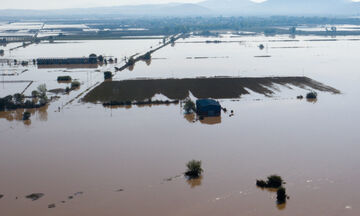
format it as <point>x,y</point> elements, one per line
<point>91,160</point>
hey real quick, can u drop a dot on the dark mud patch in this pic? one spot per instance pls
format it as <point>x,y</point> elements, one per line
<point>34,196</point>
<point>140,103</point>
<point>178,89</point>
<point>1,196</point>
<point>51,205</point>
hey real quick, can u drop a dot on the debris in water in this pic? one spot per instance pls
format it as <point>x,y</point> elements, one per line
<point>78,193</point>
<point>52,205</point>
<point>35,196</point>
<point>172,178</point>
<point>1,196</point>
<point>119,190</point>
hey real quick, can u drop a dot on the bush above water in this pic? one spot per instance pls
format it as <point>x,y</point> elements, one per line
<point>281,195</point>
<point>75,84</point>
<point>26,116</point>
<point>64,79</point>
<point>311,95</point>
<point>194,169</point>
<point>107,75</point>
<point>189,106</point>
<point>273,181</point>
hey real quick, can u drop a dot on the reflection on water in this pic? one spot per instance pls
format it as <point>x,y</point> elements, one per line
<point>27,122</point>
<point>281,206</point>
<point>192,118</point>
<point>131,67</point>
<point>41,114</point>
<point>195,182</point>
<point>148,62</point>
<point>311,100</point>
<point>211,120</point>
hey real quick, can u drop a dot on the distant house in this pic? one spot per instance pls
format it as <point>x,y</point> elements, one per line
<point>208,107</point>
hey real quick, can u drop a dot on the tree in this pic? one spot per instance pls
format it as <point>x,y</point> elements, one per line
<point>194,169</point>
<point>26,116</point>
<point>311,95</point>
<point>75,84</point>
<point>131,61</point>
<point>35,94</point>
<point>274,181</point>
<point>42,89</point>
<point>147,56</point>
<point>19,98</point>
<point>292,30</point>
<point>189,106</point>
<point>100,58</point>
<point>281,195</point>
<point>107,75</point>
<point>42,93</point>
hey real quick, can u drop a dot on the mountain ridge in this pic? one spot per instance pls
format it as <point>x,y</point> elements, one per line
<point>206,8</point>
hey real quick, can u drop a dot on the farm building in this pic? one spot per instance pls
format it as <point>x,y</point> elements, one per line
<point>208,107</point>
<point>92,59</point>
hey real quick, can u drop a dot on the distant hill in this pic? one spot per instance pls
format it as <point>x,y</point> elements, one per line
<point>133,10</point>
<point>284,7</point>
<point>207,7</point>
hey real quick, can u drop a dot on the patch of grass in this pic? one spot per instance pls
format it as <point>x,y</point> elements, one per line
<point>194,169</point>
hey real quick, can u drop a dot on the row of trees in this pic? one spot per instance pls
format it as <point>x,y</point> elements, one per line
<point>16,101</point>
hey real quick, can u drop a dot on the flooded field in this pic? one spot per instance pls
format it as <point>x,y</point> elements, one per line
<point>87,159</point>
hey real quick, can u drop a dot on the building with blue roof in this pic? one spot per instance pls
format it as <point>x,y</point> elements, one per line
<point>208,107</point>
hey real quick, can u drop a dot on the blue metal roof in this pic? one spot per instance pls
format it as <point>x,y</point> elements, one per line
<point>207,102</point>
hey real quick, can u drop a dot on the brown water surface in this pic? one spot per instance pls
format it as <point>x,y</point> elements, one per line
<point>119,158</point>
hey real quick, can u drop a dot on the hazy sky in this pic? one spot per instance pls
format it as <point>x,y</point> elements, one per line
<point>46,4</point>
<point>57,4</point>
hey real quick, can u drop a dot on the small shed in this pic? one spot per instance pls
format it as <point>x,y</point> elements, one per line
<point>208,107</point>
